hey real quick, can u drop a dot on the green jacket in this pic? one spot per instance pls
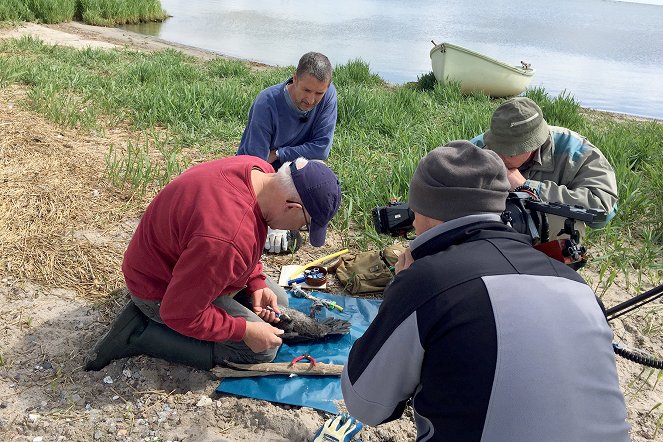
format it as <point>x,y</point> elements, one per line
<point>571,171</point>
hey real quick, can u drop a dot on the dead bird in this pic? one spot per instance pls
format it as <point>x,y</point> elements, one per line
<point>299,327</point>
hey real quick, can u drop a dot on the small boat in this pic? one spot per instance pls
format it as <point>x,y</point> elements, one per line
<point>477,72</point>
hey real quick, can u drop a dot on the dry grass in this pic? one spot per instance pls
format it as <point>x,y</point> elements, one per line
<point>61,224</point>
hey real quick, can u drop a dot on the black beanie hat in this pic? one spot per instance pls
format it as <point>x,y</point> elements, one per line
<point>459,179</point>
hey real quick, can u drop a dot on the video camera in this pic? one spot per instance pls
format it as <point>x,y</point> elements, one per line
<point>526,214</point>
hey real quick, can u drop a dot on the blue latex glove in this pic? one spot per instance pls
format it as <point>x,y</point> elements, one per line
<point>340,428</point>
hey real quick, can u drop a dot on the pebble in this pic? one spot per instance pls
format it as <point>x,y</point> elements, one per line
<point>162,416</point>
<point>127,373</point>
<point>204,402</point>
<point>98,435</point>
<point>108,380</point>
<point>37,439</point>
<point>33,417</point>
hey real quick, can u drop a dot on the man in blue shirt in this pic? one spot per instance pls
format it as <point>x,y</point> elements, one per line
<point>293,119</point>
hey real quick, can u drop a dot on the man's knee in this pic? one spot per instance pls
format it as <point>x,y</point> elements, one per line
<point>265,356</point>
<point>241,354</point>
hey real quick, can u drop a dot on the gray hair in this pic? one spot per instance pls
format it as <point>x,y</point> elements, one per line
<point>316,65</point>
<point>284,178</point>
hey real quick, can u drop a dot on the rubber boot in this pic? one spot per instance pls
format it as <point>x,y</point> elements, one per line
<point>115,343</point>
<point>132,333</point>
<point>160,341</point>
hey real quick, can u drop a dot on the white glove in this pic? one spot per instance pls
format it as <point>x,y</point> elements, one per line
<point>277,240</point>
<point>340,428</point>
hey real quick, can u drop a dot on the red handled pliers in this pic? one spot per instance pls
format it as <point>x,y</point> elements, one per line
<point>304,356</point>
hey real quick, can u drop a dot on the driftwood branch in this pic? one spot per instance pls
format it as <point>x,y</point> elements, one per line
<point>267,369</point>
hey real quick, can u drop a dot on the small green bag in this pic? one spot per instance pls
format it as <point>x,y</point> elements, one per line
<point>368,272</point>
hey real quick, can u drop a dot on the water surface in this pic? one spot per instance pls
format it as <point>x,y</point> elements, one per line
<point>608,54</point>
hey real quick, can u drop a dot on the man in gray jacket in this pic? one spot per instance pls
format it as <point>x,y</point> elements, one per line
<point>488,338</point>
<point>558,164</point>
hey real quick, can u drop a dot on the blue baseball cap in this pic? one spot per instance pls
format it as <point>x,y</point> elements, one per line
<point>320,192</point>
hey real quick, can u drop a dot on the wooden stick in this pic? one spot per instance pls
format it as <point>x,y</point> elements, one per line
<point>267,369</point>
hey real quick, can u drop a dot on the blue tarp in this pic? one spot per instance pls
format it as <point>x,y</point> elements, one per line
<point>318,392</point>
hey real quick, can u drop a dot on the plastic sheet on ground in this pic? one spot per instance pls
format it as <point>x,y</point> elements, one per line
<point>318,392</point>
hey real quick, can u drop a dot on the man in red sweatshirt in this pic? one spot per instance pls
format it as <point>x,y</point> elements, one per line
<point>193,271</point>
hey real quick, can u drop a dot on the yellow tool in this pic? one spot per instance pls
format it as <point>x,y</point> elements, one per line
<point>317,261</point>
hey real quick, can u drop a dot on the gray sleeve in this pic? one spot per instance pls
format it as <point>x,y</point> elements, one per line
<point>391,376</point>
<point>594,186</point>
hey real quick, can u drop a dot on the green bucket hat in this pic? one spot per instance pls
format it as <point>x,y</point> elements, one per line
<point>517,127</point>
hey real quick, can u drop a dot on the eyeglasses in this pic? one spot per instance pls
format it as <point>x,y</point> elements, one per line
<point>306,221</point>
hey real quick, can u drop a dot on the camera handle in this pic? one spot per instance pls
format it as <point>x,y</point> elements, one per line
<point>567,251</point>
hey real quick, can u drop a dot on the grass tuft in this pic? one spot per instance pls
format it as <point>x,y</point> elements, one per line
<point>355,72</point>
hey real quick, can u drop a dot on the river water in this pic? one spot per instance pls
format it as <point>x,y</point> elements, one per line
<point>607,54</point>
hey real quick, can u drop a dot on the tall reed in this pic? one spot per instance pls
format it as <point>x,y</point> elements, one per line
<point>52,11</point>
<point>94,12</point>
<point>15,10</point>
<point>115,12</point>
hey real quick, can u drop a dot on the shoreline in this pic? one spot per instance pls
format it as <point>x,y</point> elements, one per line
<point>79,35</point>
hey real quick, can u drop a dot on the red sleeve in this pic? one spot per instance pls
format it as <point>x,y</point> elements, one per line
<point>207,268</point>
<point>257,279</point>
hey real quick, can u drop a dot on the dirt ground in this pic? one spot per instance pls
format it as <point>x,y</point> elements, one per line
<point>53,307</point>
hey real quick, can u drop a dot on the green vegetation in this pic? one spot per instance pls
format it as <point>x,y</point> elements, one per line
<point>190,109</point>
<point>94,12</point>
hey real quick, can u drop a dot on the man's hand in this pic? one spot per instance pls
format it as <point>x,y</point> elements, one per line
<point>260,336</point>
<point>277,240</point>
<point>272,156</point>
<point>405,260</point>
<point>260,300</point>
<point>515,178</point>
<point>341,428</point>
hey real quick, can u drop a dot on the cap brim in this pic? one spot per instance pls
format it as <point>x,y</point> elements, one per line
<point>317,234</point>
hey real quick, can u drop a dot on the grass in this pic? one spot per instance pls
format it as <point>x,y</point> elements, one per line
<point>137,167</point>
<point>93,12</point>
<point>114,12</point>
<point>190,109</point>
<point>659,421</point>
